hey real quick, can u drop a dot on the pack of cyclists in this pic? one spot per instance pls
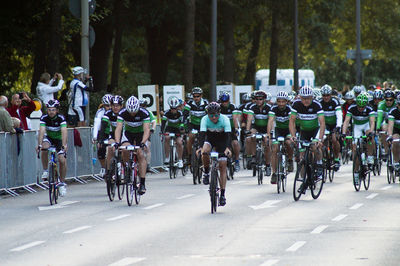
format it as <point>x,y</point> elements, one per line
<point>306,116</point>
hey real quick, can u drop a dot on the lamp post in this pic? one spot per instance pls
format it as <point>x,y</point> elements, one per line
<point>213,65</point>
<point>295,48</point>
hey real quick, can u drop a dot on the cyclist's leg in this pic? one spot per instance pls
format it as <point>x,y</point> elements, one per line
<point>44,153</point>
<point>179,146</point>
<point>274,159</point>
<point>190,140</point>
<point>383,137</point>
<point>166,147</point>
<point>109,154</point>
<point>63,166</point>
<point>101,155</point>
<point>252,143</point>
<point>147,151</point>
<point>396,151</point>
<point>206,162</point>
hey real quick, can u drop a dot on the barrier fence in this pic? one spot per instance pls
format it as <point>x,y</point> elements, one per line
<point>23,169</point>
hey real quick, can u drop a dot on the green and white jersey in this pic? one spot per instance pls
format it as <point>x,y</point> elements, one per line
<point>383,111</point>
<point>394,115</point>
<point>360,118</point>
<point>330,108</point>
<point>260,114</point>
<point>53,125</point>
<point>195,110</point>
<point>307,115</point>
<point>134,124</point>
<point>229,111</point>
<point>281,116</point>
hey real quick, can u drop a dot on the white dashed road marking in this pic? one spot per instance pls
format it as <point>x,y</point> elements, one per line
<point>26,246</point>
<point>296,246</point>
<point>153,206</point>
<point>319,229</point>
<point>127,261</point>
<point>77,229</point>
<point>267,204</point>
<point>118,217</point>
<point>339,217</point>
<point>386,188</point>
<point>269,263</point>
<point>373,195</point>
<point>356,206</point>
<point>185,196</point>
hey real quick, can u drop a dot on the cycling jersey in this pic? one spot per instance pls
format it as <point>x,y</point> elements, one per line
<point>195,111</point>
<point>360,118</point>
<point>332,112</point>
<point>229,111</point>
<point>281,116</point>
<point>260,114</point>
<point>108,125</point>
<point>394,115</point>
<point>217,134</point>
<point>172,120</point>
<point>53,125</point>
<point>134,124</point>
<point>307,115</point>
<point>373,105</point>
<point>383,111</point>
<point>97,122</point>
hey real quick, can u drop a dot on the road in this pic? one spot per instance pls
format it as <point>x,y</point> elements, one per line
<point>173,225</point>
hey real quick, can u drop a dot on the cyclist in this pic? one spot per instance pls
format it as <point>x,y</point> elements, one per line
<point>279,116</point>
<point>230,110</point>
<point>357,90</point>
<point>172,122</point>
<point>383,110</point>
<point>53,132</point>
<point>333,119</point>
<point>133,127</point>
<point>107,129</point>
<point>363,118</point>
<point>153,123</point>
<point>312,122</point>
<point>215,132</point>
<point>377,97</point>
<point>268,98</point>
<point>194,110</point>
<point>394,133</point>
<point>104,107</point>
<point>259,111</point>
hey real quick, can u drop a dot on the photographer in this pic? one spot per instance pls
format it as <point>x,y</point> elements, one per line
<point>19,111</point>
<point>45,90</point>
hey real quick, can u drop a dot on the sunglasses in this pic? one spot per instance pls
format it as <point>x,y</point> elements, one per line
<point>259,99</point>
<point>213,115</point>
<point>198,96</point>
<point>389,100</point>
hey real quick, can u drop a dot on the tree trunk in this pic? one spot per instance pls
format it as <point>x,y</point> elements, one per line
<point>157,47</point>
<point>119,28</point>
<point>251,60</point>
<point>55,37</point>
<point>229,42</point>
<point>188,53</point>
<point>100,55</point>
<point>274,48</point>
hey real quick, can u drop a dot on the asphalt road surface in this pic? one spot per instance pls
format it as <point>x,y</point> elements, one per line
<point>173,225</point>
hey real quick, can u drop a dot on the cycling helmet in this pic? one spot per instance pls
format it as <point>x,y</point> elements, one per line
<point>53,104</point>
<point>132,104</point>
<point>246,97</point>
<point>143,102</point>
<point>372,87</point>
<point>197,90</point>
<point>78,70</point>
<point>326,90</point>
<point>349,95</point>
<point>213,108</point>
<point>224,96</point>
<point>173,102</point>
<point>306,91</point>
<point>389,94</point>
<point>253,94</point>
<point>268,96</point>
<point>357,89</point>
<point>260,93</point>
<point>181,101</point>
<point>189,96</point>
<point>117,100</point>
<point>106,99</point>
<point>317,94</point>
<point>282,95</point>
<point>362,100</point>
<point>378,94</point>
<point>398,99</point>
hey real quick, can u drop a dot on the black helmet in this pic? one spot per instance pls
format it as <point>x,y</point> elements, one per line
<point>53,104</point>
<point>260,94</point>
<point>116,99</point>
<point>389,94</point>
<point>197,90</point>
<point>213,108</point>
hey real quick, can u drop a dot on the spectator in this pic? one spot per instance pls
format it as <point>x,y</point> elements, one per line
<point>6,123</point>
<point>45,90</point>
<point>78,96</point>
<point>21,112</point>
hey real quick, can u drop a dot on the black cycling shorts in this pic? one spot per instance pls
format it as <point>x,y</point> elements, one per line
<point>193,126</point>
<point>281,132</point>
<point>172,130</point>
<point>132,138</point>
<point>54,142</point>
<point>308,135</point>
<point>219,143</point>
<point>259,129</point>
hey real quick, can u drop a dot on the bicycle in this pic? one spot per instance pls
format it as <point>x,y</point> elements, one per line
<point>328,157</point>
<point>259,166</point>
<point>214,180</point>
<point>184,156</point>
<point>195,164</point>
<point>377,167</point>
<point>364,174</point>
<point>131,177</point>
<point>113,179</point>
<point>173,158</point>
<point>391,173</point>
<point>346,150</point>
<point>282,167</point>
<point>230,168</point>
<point>306,174</point>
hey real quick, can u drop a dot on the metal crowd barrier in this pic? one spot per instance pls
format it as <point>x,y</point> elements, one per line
<point>24,169</point>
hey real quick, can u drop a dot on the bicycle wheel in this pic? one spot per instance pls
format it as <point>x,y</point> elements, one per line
<point>389,167</point>
<point>52,184</point>
<point>367,179</point>
<point>171,162</point>
<point>331,166</point>
<point>279,174</point>
<point>260,174</point>
<point>326,162</point>
<point>213,190</point>
<point>194,166</point>
<point>357,160</point>
<point>135,184</point>
<point>117,182</point>
<point>316,183</point>
<point>111,181</point>
<point>299,185</point>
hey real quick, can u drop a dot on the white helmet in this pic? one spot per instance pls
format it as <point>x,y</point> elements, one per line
<point>326,90</point>
<point>78,70</point>
<point>268,96</point>
<point>282,95</point>
<point>132,104</point>
<point>173,102</point>
<point>349,95</point>
<point>306,91</point>
<point>107,99</point>
<point>357,89</point>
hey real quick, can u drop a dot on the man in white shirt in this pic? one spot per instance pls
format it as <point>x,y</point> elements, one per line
<point>45,90</point>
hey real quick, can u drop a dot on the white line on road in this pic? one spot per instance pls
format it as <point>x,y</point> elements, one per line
<point>356,206</point>
<point>29,245</point>
<point>127,261</point>
<point>296,246</point>
<point>185,196</point>
<point>386,188</point>
<point>118,217</point>
<point>339,217</point>
<point>57,206</point>
<point>68,202</point>
<point>153,206</point>
<point>77,229</point>
<point>373,195</point>
<point>319,229</point>
<point>269,262</point>
<point>267,204</point>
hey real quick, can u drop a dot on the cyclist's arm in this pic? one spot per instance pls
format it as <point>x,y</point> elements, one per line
<point>42,130</point>
<point>390,127</point>
<point>203,130</point>
<point>321,120</point>
<point>372,122</point>
<point>227,130</point>
<point>104,124</point>
<point>380,119</point>
<point>186,112</point>
<point>146,131</point>
<point>96,126</point>
<point>339,116</point>
<point>118,131</point>
<point>346,123</point>
<point>292,124</point>
<point>249,120</point>
<point>271,120</point>
<point>64,136</point>
<point>163,124</point>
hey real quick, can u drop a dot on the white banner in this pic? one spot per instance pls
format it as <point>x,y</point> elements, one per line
<point>273,89</point>
<point>170,91</point>
<point>240,90</point>
<point>149,93</point>
<point>228,88</point>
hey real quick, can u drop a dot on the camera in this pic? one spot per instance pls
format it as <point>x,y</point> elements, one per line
<point>21,95</point>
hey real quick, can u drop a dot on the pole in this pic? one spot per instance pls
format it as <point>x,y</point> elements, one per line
<point>358,48</point>
<point>213,67</point>
<point>85,45</point>
<point>295,48</point>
